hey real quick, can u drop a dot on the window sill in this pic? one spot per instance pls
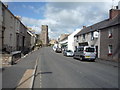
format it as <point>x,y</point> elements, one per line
<point>109,54</point>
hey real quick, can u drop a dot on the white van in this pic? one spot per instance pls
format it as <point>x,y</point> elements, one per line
<point>55,47</point>
<point>85,52</point>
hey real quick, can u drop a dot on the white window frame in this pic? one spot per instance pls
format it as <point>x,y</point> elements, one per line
<point>110,33</point>
<point>83,36</point>
<point>92,35</point>
<point>110,48</point>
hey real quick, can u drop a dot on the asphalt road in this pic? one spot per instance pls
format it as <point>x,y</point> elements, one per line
<point>57,71</point>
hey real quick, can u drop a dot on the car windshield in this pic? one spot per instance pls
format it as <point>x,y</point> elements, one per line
<point>69,51</point>
<point>90,49</point>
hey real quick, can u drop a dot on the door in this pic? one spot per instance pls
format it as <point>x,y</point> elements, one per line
<point>17,40</point>
<point>96,51</point>
<point>23,41</point>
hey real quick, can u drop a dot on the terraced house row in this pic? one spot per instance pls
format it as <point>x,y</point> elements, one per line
<point>14,35</point>
<point>105,36</point>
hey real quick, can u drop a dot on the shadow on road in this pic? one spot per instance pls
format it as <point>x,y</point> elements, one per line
<point>84,60</point>
<point>43,73</point>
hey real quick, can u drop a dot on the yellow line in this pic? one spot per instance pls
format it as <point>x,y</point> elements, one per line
<point>26,80</point>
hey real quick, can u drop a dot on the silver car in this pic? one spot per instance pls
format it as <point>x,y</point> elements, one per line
<point>85,53</point>
<point>68,53</point>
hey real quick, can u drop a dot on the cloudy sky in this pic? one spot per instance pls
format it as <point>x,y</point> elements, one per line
<point>61,17</point>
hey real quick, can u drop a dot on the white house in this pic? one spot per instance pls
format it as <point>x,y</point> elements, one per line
<point>64,43</point>
<point>71,43</point>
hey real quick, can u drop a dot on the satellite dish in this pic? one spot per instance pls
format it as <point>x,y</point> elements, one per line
<point>96,34</point>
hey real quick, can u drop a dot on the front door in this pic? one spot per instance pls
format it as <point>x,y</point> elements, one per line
<point>96,51</point>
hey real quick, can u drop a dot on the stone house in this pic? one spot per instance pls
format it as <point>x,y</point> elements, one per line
<point>8,30</point>
<point>13,34</point>
<point>53,41</point>
<point>110,39</point>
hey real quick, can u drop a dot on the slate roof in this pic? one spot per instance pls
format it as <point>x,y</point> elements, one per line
<point>64,38</point>
<point>98,26</point>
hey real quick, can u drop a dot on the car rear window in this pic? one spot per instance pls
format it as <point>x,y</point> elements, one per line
<point>69,51</point>
<point>90,50</point>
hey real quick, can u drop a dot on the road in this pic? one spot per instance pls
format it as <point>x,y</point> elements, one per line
<point>57,71</point>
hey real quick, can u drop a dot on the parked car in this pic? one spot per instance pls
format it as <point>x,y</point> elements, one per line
<point>54,49</point>
<point>68,53</point>
<point>85,53</point>
<point>58,50</point>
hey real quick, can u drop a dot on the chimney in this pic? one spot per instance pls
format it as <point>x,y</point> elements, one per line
<point>84,27</point>
<point>119,5</point>
<point>113,13</point>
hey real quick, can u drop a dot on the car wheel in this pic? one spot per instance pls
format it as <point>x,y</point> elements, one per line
<point>81,58</point>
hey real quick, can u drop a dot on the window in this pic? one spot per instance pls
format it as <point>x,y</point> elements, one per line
<point>90,50</point>
<point>110,33</point>
<point>77,39</point>
<point>3,14</point>
<point>10,37</point>
<point>83,36</point>
<point>92,36</point>
<point>11,17</point>
<point>80,49</point>
<point>110,50</point>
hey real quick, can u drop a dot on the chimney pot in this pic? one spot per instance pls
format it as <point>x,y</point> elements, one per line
<point>84,27</point>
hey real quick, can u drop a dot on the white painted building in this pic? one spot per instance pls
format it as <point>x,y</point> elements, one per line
<point>63,43</point>
<point>90,39</point>
<point>71,43</point>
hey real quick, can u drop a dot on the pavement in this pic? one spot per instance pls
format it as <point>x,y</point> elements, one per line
<point>44,68</point>
<point>21,74</point>
<point>108,62</point>
<point>5,59</point>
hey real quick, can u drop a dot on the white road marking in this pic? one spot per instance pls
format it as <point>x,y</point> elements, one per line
<point>40,72</point>
<point>40,80</point>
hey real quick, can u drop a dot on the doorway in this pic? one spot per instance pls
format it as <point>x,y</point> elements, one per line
<point>96,51</point>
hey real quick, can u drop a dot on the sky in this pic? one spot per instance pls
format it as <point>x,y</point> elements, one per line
<point>61,17</point>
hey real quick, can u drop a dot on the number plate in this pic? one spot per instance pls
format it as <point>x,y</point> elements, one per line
<point>87,56</point>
